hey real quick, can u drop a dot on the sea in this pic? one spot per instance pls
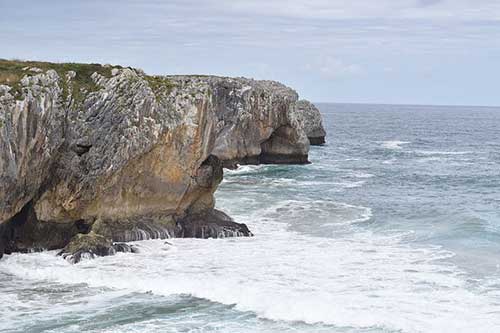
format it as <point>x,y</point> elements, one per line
<point>393,227</point>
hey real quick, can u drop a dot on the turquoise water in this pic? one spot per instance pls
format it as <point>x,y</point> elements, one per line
<point>394,227</point>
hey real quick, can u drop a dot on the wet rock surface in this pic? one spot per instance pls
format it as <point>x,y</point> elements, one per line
<point>92,245</point>
<point>211,224</point>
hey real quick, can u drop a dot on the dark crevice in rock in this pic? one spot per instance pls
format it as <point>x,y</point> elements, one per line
<point>277,149</point>
<point>210,173</point>
<point>81,149</point>
<point>266,158</point>
<point>317,141</point>
<point>83,227</point>
<point>25,233</point>
<point>10,231</point>
<point>280,148</point>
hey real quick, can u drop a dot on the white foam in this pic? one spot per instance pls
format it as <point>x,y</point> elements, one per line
<point>366,280</point>
<point>433,152</point>
<point>363,175</point>
<point>334,186</point>
<point>244,169</point>
<point>352,184</point>
<point>361,280</point>
<point>324,212</point>
<point>394,144</point>
<point>275,182</point>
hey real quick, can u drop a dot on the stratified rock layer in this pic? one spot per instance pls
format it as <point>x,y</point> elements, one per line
<point>310,117</point>
<point>121,156</point>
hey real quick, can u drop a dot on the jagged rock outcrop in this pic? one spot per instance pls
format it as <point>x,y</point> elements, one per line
<point>255,122</point>
<point>310,117</point>
<point>99,154</point>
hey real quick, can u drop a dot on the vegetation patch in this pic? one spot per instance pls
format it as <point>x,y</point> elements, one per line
<point>12,71</point>
<point>160,84</point>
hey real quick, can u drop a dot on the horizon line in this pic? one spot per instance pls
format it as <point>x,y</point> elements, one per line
<point>411,104</point>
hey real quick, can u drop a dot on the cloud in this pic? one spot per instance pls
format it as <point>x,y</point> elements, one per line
<point>425,3</point>
<point>380,9</point>
<point>334,68</point>
<point>352,41</point>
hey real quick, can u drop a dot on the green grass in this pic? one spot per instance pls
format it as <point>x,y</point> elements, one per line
<point>159,84</point>
<point>11,73</point>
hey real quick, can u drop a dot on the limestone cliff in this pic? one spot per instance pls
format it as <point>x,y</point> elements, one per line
<point>310,118</point>
<point>92,155</point>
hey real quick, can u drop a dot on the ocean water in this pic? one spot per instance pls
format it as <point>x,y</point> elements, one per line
<point>394,227</point>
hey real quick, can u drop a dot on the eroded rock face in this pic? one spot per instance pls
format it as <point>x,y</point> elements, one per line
<point>126,156</point>
<point>310,117</point>
<point>255,121</point>
<point>31,134</point>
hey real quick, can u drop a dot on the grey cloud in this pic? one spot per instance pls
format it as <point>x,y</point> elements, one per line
<point>334,40</point>
<point>426,3</point>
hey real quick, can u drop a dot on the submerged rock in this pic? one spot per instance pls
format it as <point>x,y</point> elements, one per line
<point>310,117</point>
<point>101,154</point>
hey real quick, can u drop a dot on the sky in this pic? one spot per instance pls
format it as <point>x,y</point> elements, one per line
<point>360,51</point>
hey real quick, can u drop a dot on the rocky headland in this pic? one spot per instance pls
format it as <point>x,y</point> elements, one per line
<point>94,156</point>
<point>311,120</point>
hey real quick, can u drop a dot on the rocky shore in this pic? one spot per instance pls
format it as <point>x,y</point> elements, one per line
<point>95,156</point>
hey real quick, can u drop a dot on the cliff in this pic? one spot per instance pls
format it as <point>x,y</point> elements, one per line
<point>91,155</point>
<point>310,118</point>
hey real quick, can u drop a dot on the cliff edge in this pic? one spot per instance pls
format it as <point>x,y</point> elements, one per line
<point>94,156</point>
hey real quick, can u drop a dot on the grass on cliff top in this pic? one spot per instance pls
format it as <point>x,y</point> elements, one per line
<point>12,71</point>
<point>159,84</point>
